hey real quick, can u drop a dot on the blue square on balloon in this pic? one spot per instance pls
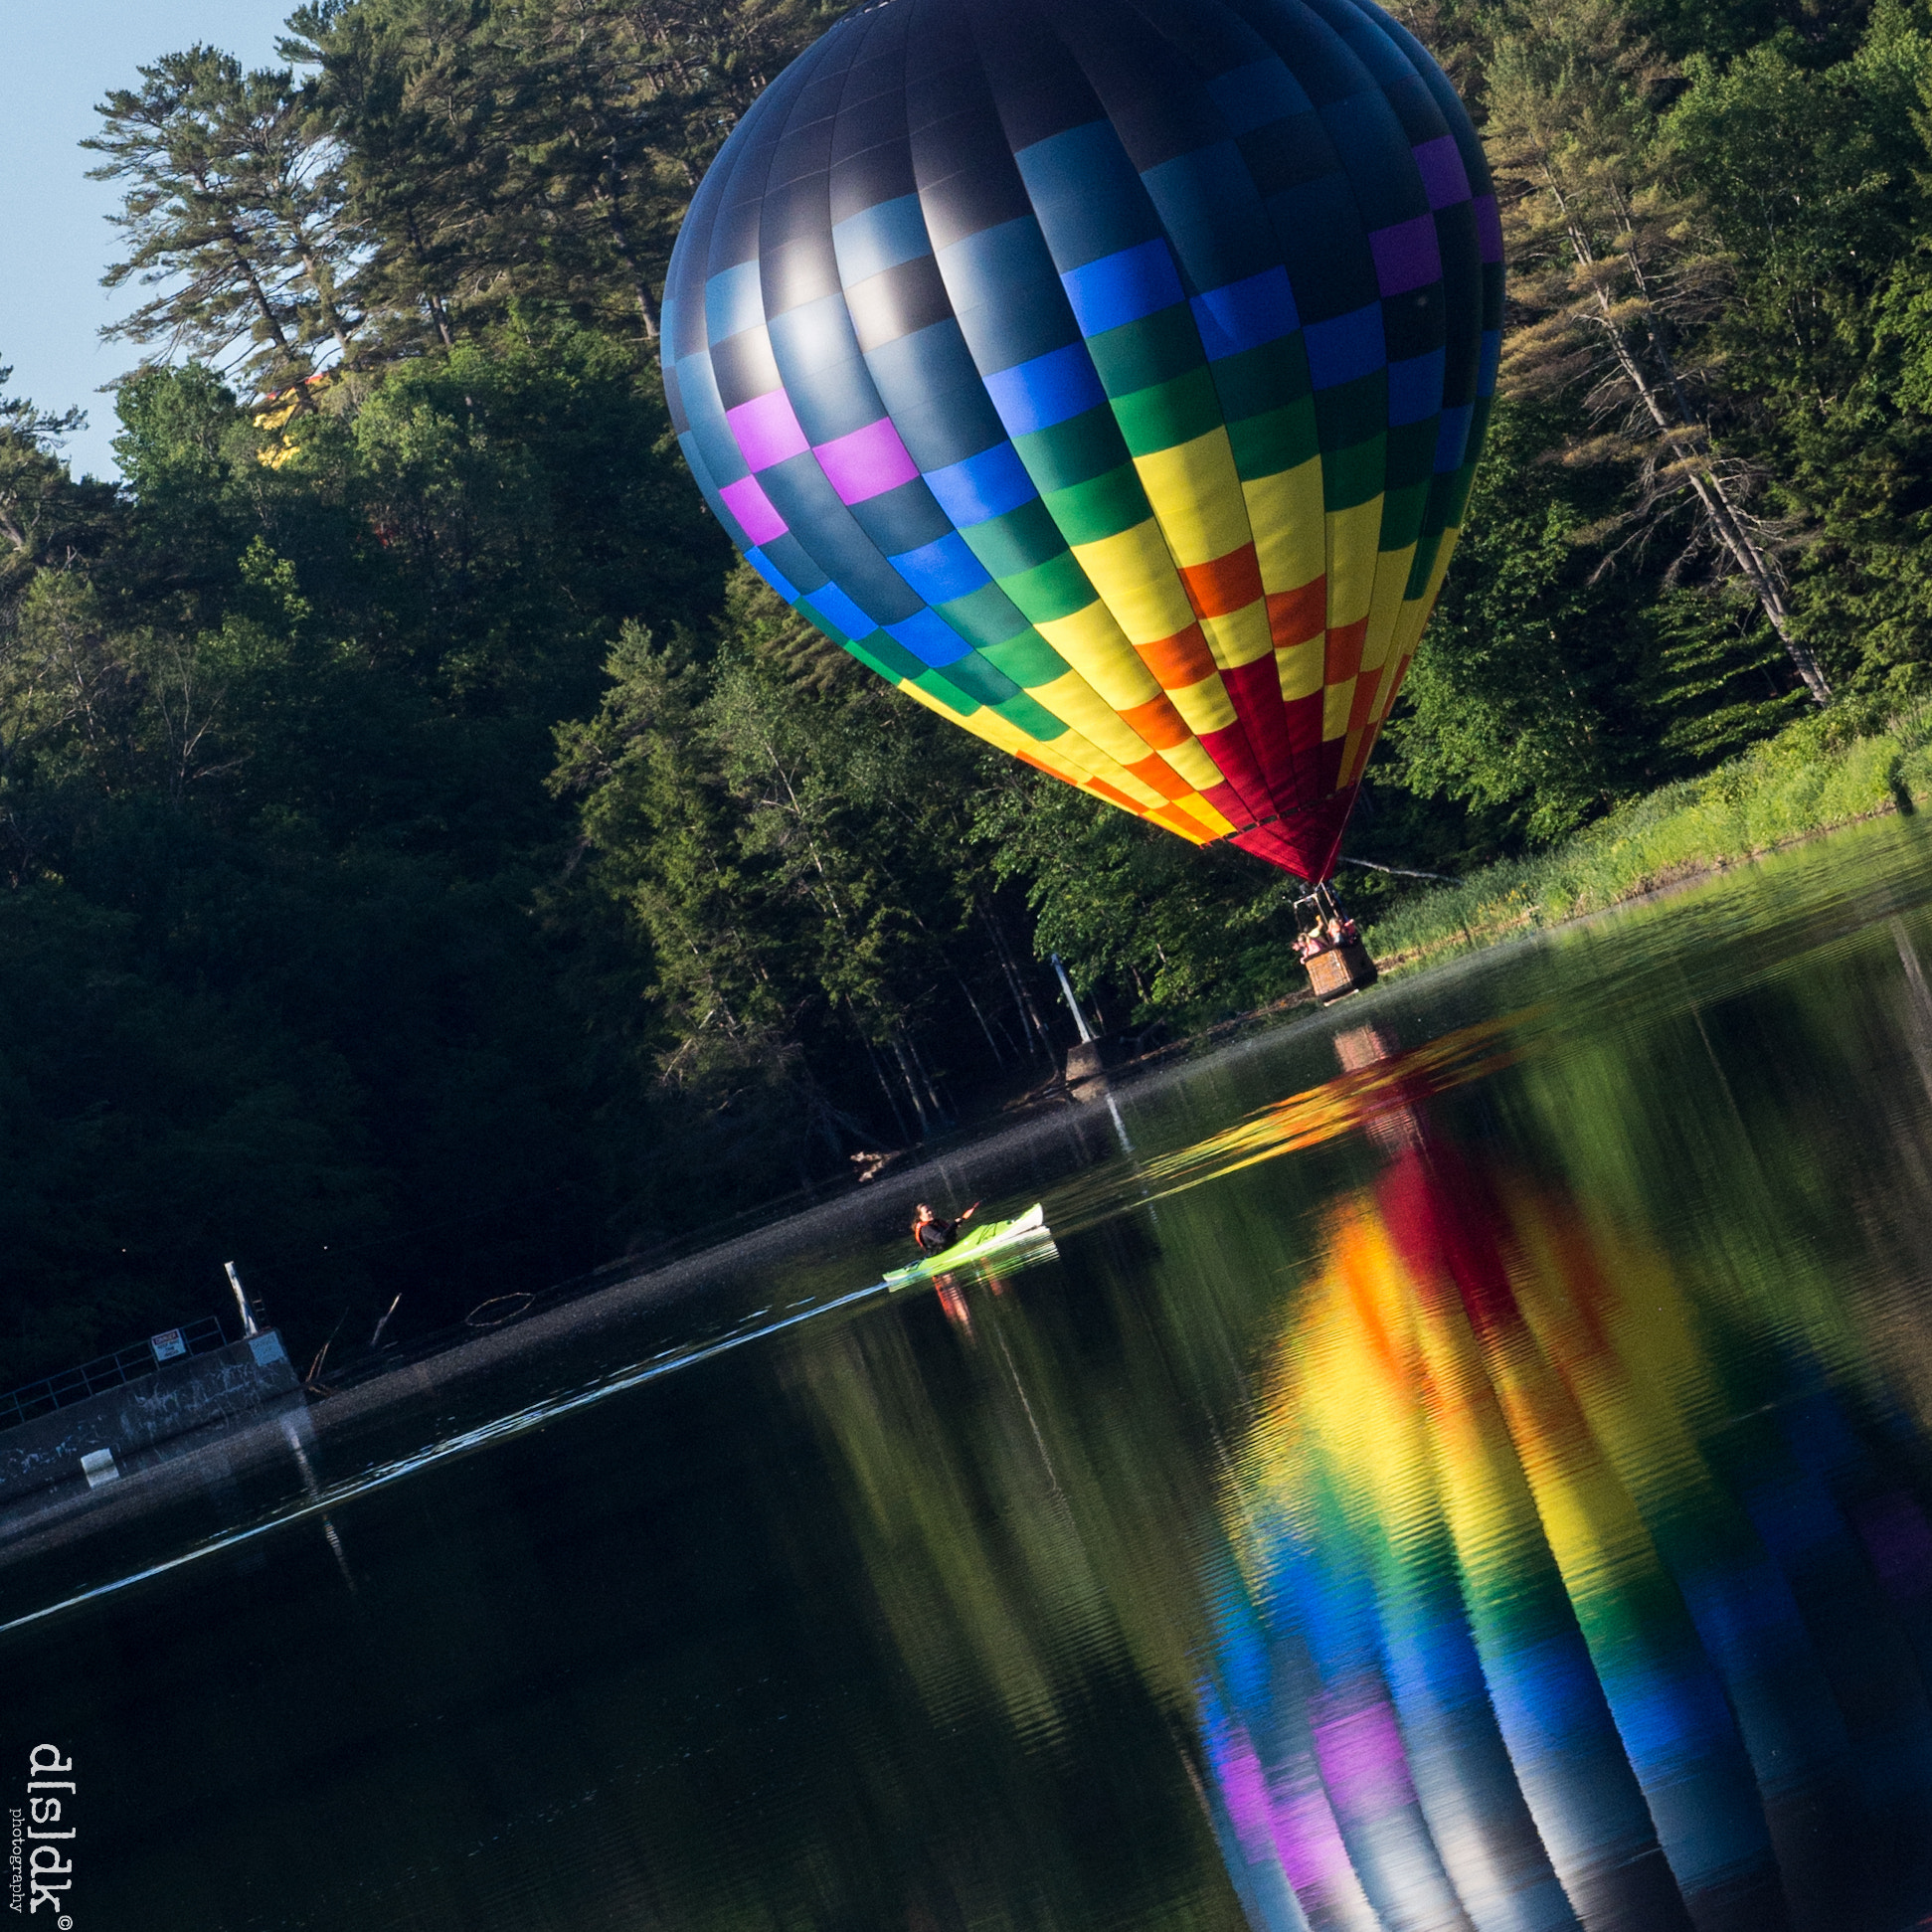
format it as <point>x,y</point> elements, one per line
<point>983,486</point>
<point>772,575</point>
<point>941,428</point>
<point>880,237</point>
<point>1050,389</point>
<point>1492,360</point>
<point>930,638</point>
<point>1415,388</point>
<point>1085,193</point>
<point>1209,205</point>
<point>839,609</point>
<point>814,337</point>
<point>1452,439</point>
<point>942,571</point>
<point>1245,314</point>
<point>1382,171</point>
<point>792,560</point>
<point>1346,349</point>
<point>732,302</point>
<point>928,360</point>
<point>1123,288</point>
<point>986,266</point>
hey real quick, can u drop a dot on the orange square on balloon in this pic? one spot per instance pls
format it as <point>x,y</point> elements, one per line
<point>1156,723</point>
<point>1114,795</point>
<point>1345,651</point>
<point>1158,775</point>
<point>1180,661</point>
<point>1225,585</point>
<point>1294,616</point>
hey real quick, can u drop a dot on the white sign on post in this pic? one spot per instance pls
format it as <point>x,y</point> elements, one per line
<point>167,1346</point>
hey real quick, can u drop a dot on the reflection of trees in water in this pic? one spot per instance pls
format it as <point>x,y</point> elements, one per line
<point>999,1479</point>
<point>1779,1140</point>
<point>1532,1622</point>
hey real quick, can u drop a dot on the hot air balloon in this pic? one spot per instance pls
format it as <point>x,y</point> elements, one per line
<point>1108,376</point>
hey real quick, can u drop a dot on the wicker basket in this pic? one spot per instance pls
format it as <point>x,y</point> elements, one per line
<point>1339,969</point>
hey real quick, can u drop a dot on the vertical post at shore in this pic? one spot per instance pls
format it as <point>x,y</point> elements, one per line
<point>1073,1005</point>
<point>241,1302</point>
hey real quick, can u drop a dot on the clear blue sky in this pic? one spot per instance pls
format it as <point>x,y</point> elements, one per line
<point>62,56</point>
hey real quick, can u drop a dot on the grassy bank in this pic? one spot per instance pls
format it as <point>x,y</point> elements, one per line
<point>1824,771</point>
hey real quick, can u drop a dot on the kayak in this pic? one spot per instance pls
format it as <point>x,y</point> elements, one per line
<point>972,1245</point>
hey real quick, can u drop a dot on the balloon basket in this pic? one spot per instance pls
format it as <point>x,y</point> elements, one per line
<point>1341,970</point>
<point>1329,944</point>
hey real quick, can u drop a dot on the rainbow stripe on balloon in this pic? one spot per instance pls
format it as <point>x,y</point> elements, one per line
<point>1108,377</point>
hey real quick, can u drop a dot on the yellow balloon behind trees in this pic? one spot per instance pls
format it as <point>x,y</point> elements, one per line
<point>1108,376</point>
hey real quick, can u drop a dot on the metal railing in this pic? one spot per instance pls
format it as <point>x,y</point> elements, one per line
<point>124,1365</point>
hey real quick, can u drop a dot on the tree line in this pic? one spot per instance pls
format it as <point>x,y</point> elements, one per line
<point>431,868</point>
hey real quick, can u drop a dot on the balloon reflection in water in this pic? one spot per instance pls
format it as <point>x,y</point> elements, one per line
<point>1552,1598</point>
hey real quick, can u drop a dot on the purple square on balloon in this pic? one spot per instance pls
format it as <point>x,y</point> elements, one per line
<point>1444,178</point>
<point>752,508</point>
<point>767,430</point>
<point>1488,228</point>
<point>867,462</point>
<point>1406,256</point>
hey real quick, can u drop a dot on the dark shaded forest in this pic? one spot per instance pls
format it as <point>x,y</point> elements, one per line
<point>431,869</point>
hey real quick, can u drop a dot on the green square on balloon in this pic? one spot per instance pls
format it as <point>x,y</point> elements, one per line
<point>1351,413</point>
<point>1402,511</point>
<point>1017,541</point>
<point>886,655</point>
<point>1137,355</point>
<point>1029,660</point>
<point>1172,413</point>
<point>1283,438</point>
<point>1102,508</point>
<point>1031,717</point>
<point>1082,447</point>
<point>1259,379</point>
<point>983,617</point>
<point>937,685</point>
<point>1353,477</point>
<point>1056,588</point>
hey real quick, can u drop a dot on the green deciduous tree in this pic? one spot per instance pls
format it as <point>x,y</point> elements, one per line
<point>794,843</point>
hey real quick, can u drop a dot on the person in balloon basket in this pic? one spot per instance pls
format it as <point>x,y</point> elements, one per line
<point>1327,936</point>
<point>932,1234</point>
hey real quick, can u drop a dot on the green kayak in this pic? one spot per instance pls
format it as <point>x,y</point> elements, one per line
<point>972,1245</point>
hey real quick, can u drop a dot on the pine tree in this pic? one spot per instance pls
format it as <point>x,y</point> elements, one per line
<point>1616,270</point>
<point>231,207</point>
<point>414,99</point>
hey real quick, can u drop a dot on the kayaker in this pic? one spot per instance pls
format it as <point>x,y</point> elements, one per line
<point>932,1235</point>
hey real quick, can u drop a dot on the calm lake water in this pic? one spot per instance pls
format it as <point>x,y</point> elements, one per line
<point>1461,1461</point>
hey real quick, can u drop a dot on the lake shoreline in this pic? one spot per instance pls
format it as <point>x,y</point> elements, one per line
<point>1822,775</point>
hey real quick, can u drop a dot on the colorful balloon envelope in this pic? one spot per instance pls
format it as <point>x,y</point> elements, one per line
<point>1108,374</point>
